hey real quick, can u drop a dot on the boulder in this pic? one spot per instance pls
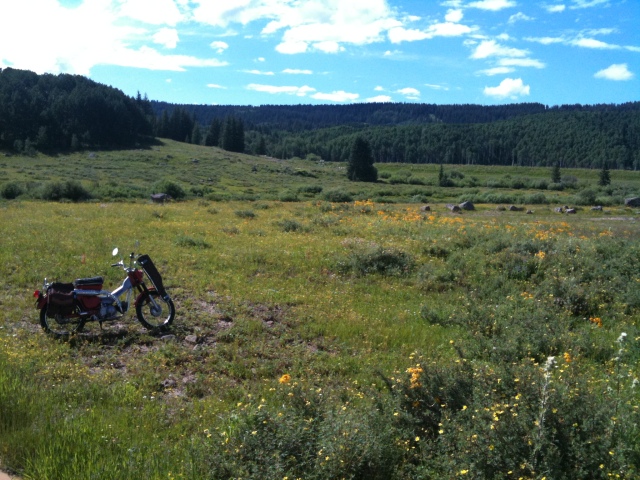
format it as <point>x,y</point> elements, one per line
<point>501,208</point>
<point>570,211</point>
<point>467,206</point>
<point>425,208</point>
<point>559,210</point>
<point>632,202</point>
<point>453,208</point>
<point>513,208</point>
<point>597,208</point>
<point>529,212</point>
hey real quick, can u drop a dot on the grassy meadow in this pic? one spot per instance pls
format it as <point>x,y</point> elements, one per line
<point>313,339</point>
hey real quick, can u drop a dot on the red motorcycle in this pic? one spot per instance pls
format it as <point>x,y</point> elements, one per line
<point>66,307</point>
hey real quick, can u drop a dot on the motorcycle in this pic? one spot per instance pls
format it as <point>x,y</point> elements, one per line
<point>66,307</point>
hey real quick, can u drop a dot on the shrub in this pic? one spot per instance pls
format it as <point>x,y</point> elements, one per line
<point>69,190</point>
<point>288,197</point>
<point>538,198</point>
<point>289,225</point>
<point>312,189</point>
<point>170,188</point>
<point>337,196</point>
<point>11,190</point>
<point>187,241</point>
<point>245,214</point>
<point>376,259</point>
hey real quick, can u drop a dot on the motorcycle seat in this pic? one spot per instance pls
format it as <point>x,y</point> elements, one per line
<point>88,281</point>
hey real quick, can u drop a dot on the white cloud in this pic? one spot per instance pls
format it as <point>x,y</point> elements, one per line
<point>167,37</point>
<point>446,29</point>
<point>508,88</point>
<point>520,17</point>
<point>289,90</point>
<point>295,71</point>
<point>617,71</point>
<point>339,96</point>
<point>593,43</point>
<point>258,72</point>
<point>379,99</point>
<point>588,3</point>
<point>490,72</point>
<point>521,62</point>
<point>436,87</point>
<point>493,5</point>
<point>215,85</point>
<point>555,8</point>
<point>162,12</point>
<point>545,40</point>
<point>410,93</point>
<point>219,46</point>
<point>454,16</point>
<point>490,48</point>
<point>379,89</point>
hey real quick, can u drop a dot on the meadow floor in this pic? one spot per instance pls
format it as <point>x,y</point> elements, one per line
<point>325,340</point>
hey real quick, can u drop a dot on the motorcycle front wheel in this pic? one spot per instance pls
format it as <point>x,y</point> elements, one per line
<point>59,330</point>
<point>155,316</point>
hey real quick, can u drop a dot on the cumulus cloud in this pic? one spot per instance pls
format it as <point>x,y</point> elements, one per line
<point>490,72</point>
<point>617,71</point>
<point>593,43</point>
<point>555,8</point>
<point>520,17</point>
<point>338,96</point>
<point>509,88</point>
<point>410,93</point>
<point>163,12</point>
<point>493,5</point>
<point>219,46</point>
<point>295,71</point>
<point>289,90</point>
<point>379,99</point>
<point>521,62</point>
<point>258,72</point>
<point>545,40</point>
<point>454,16</point>
<point>491,48</point>
<point>167,37</point>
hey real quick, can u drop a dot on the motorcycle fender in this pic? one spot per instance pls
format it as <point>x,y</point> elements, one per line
<point>41,301</point>
<point>143,294</point>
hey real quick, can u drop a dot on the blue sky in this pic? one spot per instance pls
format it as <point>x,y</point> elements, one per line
<point>253,52</point>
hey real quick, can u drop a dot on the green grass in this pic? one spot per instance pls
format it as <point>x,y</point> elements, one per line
<point>320,340</point>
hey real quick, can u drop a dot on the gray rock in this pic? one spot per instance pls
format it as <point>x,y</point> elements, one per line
<point>191,339</point>
<point>632,202</point>
<point>425,208</point>
<point>453,208</point>
<point>513,208</point>
<point>467,206</point>
<point>501,208</point>
<point>597,208</point>
<point>571,211</point>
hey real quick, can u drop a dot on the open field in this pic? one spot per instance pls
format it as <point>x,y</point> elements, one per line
<point>324,340</point>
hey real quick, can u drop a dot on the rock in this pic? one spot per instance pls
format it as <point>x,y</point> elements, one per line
<point>168,338</point>
<point>191,339</point>
<point>453,208</point>
<point>597,208</point>
<point>501,208</point>
<point>169,383</point>
<point>467,206</point>
<point>570,211</point>
<point>425,208</point>
<point>558,210</point>
<point>513,208</point>
<point>529,212</point>
<point>632,202</point>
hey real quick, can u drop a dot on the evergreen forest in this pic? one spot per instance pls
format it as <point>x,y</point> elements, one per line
<point>52,113</point>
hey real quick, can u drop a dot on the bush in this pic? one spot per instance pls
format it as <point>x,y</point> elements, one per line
<point>245,214</point>
<point>289,225</point>
<point>69,190</point>
<point>376,259</point>
<point>337,196</point>
<point>312,189</point>
<point>11,190</point>
<point>170,188</point>
<point>187,241</point>
<point>288,197</point>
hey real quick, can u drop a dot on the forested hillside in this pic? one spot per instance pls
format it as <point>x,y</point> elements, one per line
<point>62,112</point>
<point>530,134</point>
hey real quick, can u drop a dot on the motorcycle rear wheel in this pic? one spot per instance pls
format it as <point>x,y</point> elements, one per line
<point>59,330</point>
<point>151,318</point>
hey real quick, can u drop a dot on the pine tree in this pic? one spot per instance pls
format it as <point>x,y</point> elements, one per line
<point>360,166</point>
<point>232,138</point>
<point>212,139</point>
<point>556,176</point>
<point>605,175</point>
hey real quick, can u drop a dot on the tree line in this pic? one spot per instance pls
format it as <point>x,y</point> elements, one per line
<point>67,112</point>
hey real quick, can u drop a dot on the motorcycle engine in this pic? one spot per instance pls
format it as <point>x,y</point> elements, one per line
<point>107,309</point>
